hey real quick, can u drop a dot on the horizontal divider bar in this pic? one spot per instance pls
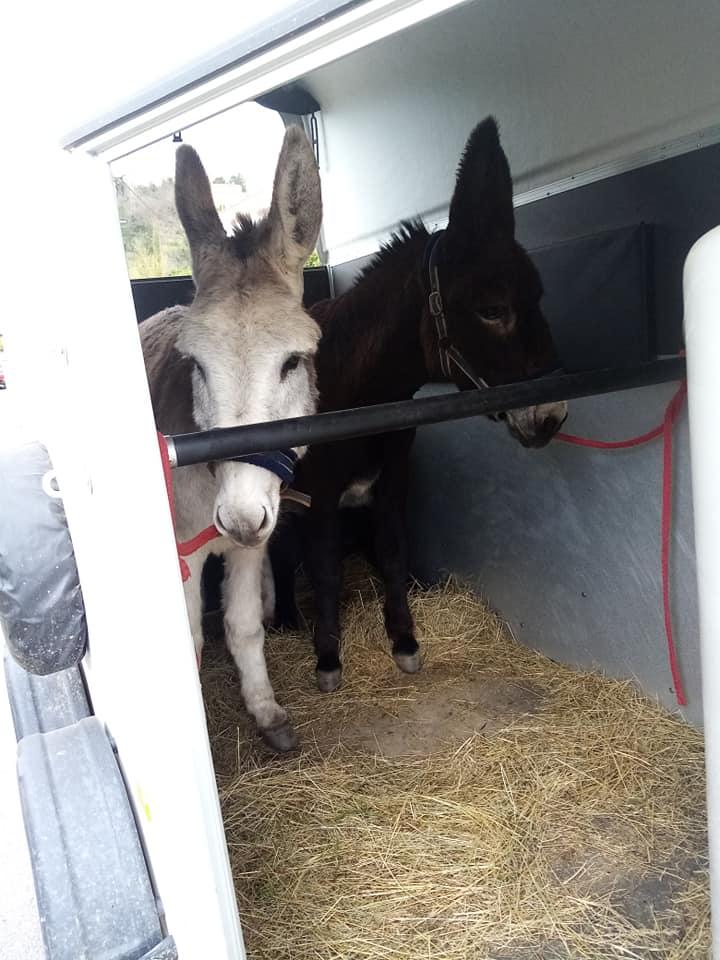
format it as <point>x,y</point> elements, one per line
<point>228,442</point>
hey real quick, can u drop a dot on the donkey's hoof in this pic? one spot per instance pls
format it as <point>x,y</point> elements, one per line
<point>328,680</point>
<point>282,739</point>
<point>408,662</point>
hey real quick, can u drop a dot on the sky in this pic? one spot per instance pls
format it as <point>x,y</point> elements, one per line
<point>137,43</point>
<point>81,57</point>
<point>158,39</point>
<point>243,140</point>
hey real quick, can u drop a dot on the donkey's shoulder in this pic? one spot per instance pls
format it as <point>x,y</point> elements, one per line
<point>159,333</point>
<point>169,371</point>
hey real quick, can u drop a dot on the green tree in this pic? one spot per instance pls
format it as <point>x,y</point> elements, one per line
<point>155,245</point>
<point>154,241</point>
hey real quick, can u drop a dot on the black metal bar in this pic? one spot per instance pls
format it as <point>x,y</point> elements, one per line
<point>231,442</point>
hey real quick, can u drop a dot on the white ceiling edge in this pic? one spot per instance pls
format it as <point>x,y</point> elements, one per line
<point>340,36</point>
<point>643,158</point>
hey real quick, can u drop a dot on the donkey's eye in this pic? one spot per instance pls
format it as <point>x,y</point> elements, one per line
<point>201,371</point>
<point>291,363</point>
<point>495,314</point>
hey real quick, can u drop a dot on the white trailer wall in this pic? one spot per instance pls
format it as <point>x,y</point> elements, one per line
<point>573,84</point>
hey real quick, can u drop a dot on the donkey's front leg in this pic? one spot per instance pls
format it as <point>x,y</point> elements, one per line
<point>388,507</point>
<point>267,589</point>
<point>285,555</point>
<point>245,636</point>
<point>325,570</point>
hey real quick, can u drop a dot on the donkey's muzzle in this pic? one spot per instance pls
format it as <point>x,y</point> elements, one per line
<point>248,530</point>
<point>536,426</point>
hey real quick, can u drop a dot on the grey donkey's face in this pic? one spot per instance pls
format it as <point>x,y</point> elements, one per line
<point>252,342</point>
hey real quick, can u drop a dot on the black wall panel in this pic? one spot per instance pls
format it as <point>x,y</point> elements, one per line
<point>598,298</point>
<point>150,296</point>
<point>680,197</point>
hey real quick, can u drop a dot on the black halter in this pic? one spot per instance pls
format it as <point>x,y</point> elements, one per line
<point>280,462</point>
<point>449,353</point>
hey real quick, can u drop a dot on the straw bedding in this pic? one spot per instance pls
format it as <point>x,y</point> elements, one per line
<point>495,805</point>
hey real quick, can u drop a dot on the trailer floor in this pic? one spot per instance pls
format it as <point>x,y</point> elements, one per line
<point>494,806</point>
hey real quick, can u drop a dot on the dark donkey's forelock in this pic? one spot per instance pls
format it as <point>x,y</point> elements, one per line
<point>381,342</point>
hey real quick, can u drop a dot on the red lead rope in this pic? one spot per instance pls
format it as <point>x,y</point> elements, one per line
<point>665,430</point>
<point>186,547</point>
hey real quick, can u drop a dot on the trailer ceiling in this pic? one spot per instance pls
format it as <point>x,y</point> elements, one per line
<point>292,20</point>
<point>575,87</point>
<point>307,34</point>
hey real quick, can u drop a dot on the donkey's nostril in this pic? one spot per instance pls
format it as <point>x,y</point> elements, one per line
<point>220,526</point>
<point>551,424</point>
<point>247,528</point>
<point>264,520</point>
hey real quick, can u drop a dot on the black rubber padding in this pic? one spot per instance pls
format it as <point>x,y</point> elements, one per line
<point>41,604</point>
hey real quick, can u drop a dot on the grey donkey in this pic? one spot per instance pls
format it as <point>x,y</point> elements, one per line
<point>243,352</point>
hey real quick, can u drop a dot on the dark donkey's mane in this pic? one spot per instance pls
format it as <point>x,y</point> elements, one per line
<point>371,349</point>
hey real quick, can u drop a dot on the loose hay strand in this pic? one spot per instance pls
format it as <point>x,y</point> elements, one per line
<point>495,806</point>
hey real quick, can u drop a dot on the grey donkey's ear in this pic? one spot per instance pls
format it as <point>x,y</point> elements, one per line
<point>296,209</point>
<point>481,210</point>
<point>195,205</point>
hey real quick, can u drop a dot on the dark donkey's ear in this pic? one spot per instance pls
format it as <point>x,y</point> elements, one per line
<point>296,209</point>
<point>481,210</point>
<point>196,207</point>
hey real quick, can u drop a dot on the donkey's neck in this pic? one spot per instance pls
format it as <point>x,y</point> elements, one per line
<point>371,349</point>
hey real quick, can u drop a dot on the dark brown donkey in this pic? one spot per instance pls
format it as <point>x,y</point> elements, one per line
<point>463,305</point>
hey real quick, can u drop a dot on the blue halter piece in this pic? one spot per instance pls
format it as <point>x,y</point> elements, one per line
<point>280,462</point>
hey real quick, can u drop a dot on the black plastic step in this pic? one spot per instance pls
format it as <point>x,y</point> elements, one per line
<point>93,890</point>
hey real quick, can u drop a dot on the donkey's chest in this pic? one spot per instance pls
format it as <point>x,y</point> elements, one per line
<point>359,493</point>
